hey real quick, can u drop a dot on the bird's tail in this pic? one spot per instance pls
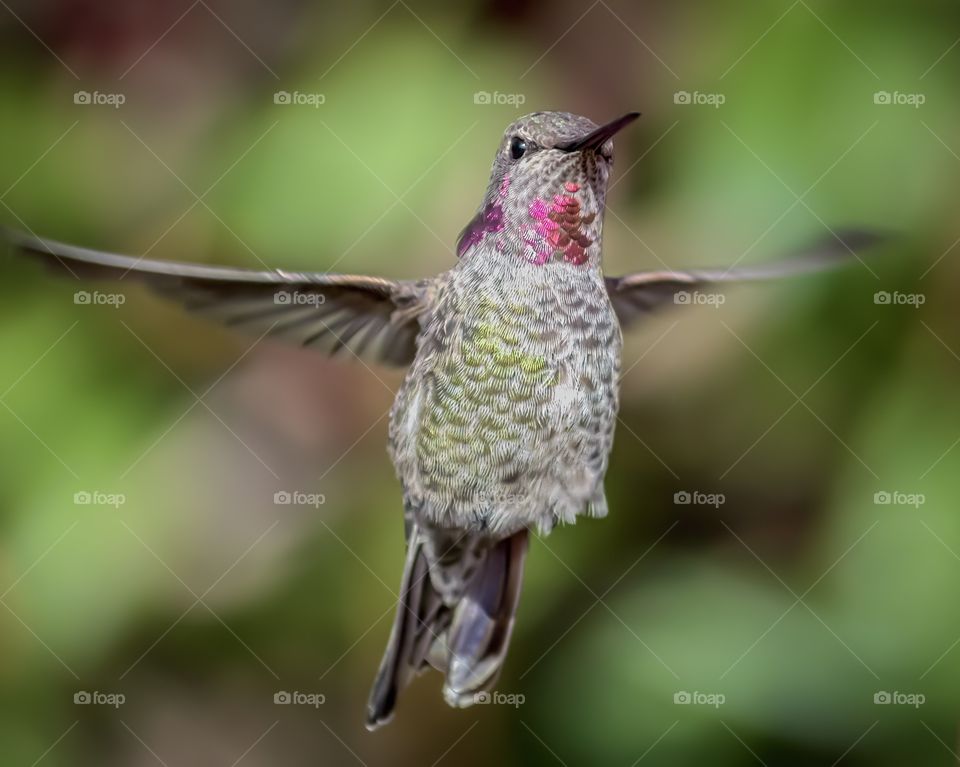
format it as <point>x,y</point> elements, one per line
<point>456,610</point>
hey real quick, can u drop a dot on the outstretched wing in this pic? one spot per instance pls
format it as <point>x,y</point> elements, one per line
<point>634,295</point>
<point>326,311</point>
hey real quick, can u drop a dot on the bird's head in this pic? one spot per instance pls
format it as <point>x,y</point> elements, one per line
<point>547,189</point>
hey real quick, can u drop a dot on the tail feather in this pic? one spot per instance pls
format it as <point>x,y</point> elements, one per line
<point>483,623</point>
<point>418,610</point>
<point>456,612</point>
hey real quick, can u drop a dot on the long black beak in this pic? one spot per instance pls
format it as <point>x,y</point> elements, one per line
<point>596,139</point>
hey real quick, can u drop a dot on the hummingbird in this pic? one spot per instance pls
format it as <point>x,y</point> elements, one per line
<point>504,423</point>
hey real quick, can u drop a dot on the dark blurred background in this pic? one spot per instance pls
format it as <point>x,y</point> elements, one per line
<point>800,609</point>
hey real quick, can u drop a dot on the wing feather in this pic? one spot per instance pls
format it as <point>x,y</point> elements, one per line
<point>314,309</point>
<point>635,295</point>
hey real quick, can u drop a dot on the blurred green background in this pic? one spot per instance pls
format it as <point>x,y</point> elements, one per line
<point>781,613</point>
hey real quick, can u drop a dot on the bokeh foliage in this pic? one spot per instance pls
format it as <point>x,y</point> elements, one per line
<point>798,599</point>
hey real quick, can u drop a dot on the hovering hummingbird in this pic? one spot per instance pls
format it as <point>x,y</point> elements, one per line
<point>505,420</point>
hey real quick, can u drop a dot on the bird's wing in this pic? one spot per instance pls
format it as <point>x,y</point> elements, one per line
<point>326,311</point>
<point>634,295</point>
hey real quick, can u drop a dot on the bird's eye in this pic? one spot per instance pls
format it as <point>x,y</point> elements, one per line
<point>517,147</point>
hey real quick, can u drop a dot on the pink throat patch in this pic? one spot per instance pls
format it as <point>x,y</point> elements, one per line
<point>557,230</point>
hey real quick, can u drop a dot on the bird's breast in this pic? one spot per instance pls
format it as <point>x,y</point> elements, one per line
<point>518,357</point>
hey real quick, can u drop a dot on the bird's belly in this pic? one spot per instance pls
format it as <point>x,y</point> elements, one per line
<point>510,426</point>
